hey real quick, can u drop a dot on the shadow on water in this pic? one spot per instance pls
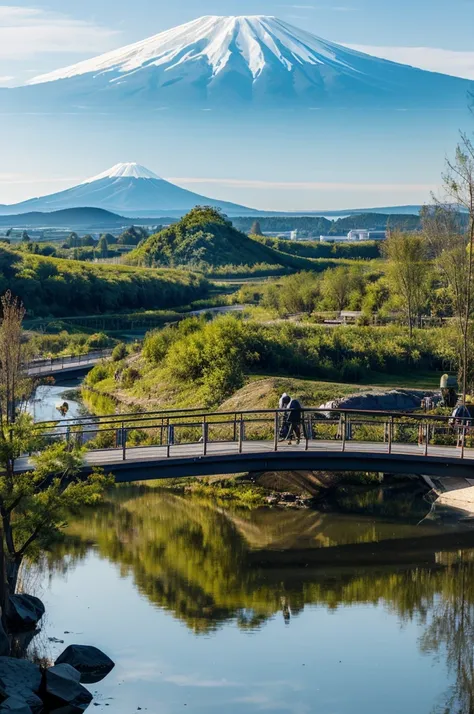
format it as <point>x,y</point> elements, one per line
<point>208,566</point>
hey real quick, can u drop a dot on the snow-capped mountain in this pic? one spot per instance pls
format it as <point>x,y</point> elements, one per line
<point>127,189</point>
<point>214,61</point>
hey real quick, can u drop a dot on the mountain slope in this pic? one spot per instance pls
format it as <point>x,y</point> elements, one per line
<point>215,60</point>
<point>126,189</point>
<point>205,239</point>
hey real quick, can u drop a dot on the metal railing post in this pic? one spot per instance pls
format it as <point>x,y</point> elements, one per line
<point>168,444</point>
<point>275,428</point>
<point>463,440</point>
<point>427,437</point>
<point>390,435</point>
<point>306,427</point>
<point>235,427</point>
<point>343,426</point>
<point>124,442</point>
<point>241,432</point>
<point>204,436</point>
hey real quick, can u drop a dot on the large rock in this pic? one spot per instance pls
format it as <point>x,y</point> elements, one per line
<point>92,664</point>
<point>15,705</point>
<point>62,689</point>
<point>22,679</point>
<point>25,611</point>
<point>379,400</point>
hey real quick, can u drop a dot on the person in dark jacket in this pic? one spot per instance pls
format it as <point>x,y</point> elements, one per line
<point>284,403</point>
<point>295,418</point>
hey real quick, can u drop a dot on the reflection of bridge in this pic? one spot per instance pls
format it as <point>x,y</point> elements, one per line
<point>193,443</point>
<point>66,365</point>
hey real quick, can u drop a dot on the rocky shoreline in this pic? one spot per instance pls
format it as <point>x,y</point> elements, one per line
<point>27,687</point>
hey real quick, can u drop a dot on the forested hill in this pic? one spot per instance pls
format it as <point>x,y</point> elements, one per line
<point>52,286</point>
<point>317,225</point>
<point>205,239</point>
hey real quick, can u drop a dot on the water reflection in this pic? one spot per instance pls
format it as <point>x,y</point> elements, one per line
<point>47,396</point>
<point>202,565</point>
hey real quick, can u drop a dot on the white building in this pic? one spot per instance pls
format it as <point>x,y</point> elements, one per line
<point>357,234</point>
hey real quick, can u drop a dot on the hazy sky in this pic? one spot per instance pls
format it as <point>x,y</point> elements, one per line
<point>36,38</point>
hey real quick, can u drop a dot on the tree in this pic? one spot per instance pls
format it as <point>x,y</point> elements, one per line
<point>336,287</point>
<point>25,238</point>
<point>103,247</point>
<point>450,232</point>
<point>73,240</point>
<point>87,240</point>
<point>408,273</point>
<point>34,504</point>
<point>256,229</point>
<point>109,237</point>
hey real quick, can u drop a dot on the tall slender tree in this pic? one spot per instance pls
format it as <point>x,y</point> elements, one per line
<point>33,503</point>
<point>449,227</point>
<point>408,272</point>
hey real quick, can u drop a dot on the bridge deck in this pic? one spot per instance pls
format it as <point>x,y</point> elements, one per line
<point>152,462</point>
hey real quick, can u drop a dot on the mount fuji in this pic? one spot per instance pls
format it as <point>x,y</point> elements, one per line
<point>219,62</point>
<point>128,189</point>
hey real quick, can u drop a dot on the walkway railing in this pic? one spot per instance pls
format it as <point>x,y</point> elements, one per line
<point>333,429</point>
<point>55,364</point>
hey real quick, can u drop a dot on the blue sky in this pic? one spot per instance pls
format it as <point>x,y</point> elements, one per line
<point>36,38</point>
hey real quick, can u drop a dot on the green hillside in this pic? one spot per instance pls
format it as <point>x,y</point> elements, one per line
<point>57,287</point>
<point>204,239</point>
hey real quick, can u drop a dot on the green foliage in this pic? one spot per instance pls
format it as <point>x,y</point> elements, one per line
<point>305,249</point>
<point>319,225</point>
<point>215,357</point>
<point>103,248</point>
<point>98,341</point>
<point>205,239</point>
<point>67,343</point>
<point>132,236</point>
<point>34,505</point>
<point>119,352</point>
<point>51,286</point>
<point>129,377</point>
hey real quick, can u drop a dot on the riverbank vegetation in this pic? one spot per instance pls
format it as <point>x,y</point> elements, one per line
<point>34,503</point>
<point>208,362</point>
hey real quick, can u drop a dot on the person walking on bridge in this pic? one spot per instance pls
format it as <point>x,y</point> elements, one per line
<point>295,420</point>
<point>284,403</point>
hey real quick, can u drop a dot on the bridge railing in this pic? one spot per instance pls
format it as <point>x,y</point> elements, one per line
<point>53,364</point>
<point>336,429</point>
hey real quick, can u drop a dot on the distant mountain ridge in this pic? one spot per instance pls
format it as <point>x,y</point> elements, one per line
<point>219,61</point>
<point>126,188</point>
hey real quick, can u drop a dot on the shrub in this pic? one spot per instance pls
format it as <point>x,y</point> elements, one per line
<point>119,352</point>
<point>98,341</point>
<point>129,377</point>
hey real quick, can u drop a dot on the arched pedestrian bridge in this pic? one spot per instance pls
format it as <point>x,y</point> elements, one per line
<point>180,443</point>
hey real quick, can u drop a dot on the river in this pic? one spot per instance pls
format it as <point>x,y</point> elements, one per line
<point>210,610</point>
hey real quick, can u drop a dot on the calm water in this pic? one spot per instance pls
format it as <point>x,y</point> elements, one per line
<point>47,396</point>
<point>175,592</point>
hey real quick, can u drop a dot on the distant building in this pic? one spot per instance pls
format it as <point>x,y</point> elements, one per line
<point>294,235</point>
<point>357,234</point>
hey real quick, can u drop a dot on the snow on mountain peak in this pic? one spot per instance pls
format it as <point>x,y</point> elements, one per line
<point>213,40</point>
<point>126,170</point>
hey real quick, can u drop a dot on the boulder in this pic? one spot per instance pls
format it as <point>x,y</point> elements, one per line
<point>62,690</point>
<point>380,400</point>
<point>15,705</point>
<point>25,611</point>
<point>92,664</point>
<point>22,679</point>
